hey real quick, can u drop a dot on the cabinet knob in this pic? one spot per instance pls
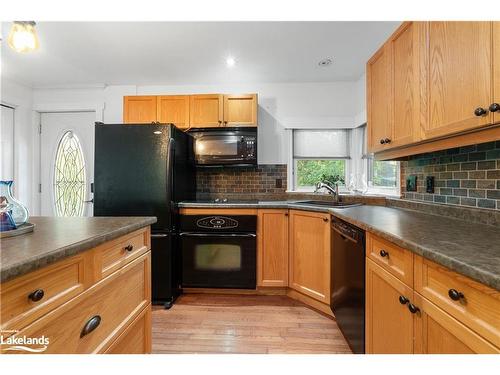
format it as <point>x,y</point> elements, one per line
<point>387,140</point>
<point>455,295</point>
<point>494,107</point>
<point>37,295</point>
<point>220,122</point>
<point>403,300</point>
<point>413,309</point>
<point>325,220</point>
<point>286,213</point>
<point>480,111</point>
<point>382,141</point>
<point>91,325</point>
<point>129,247</point>
<point>384,253</point>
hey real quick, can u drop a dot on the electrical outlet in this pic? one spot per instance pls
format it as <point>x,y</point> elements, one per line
<point>278,183</point>
<point>411,183</point>
<point>429,184</point>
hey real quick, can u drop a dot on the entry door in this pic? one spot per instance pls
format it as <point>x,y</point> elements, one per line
<point>67,163</point>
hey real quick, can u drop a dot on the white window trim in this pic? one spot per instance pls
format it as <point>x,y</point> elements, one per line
<point>385,190</point>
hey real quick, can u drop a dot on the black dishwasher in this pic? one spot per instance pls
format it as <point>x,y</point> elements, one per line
<point>348,282</point>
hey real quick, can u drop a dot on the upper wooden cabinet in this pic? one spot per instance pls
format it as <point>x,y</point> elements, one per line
<point>431,81</point>
<point>272,248</point>
<point>310,254</point>
<point>206,110</point>
<point>379,89</point>
<point>173,109</point>
<point>192,111</point>
<point>496,72</point>
<point>139,109</point>
<point>240,110</point>
<point>460,76</point>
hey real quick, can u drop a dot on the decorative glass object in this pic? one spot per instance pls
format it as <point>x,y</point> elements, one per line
<point>69,177</point>
<point>13,213</point>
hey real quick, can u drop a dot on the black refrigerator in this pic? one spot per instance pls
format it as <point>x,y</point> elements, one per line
<point>144,170</point>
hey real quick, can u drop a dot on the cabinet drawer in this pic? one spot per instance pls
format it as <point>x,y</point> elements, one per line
<point>137,337</point>
<point>116,301</point>
<point>30,296</point>
<point>474,304</point>
<point>392,258</point>
<point>117,253</point>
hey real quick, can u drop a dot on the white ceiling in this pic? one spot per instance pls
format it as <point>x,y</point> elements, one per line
<point>86,53</point>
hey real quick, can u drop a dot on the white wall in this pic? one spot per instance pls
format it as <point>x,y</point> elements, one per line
<point>21,98</point>
<point>360,100</point>
<point>281,106</point>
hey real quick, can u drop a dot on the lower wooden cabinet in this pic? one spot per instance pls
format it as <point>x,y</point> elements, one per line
<point>389,323</point>
<point>272,248</point>
<point>436,332</point>
<point>137,337</point>
<point>401,320</point>
<point>310,243</point>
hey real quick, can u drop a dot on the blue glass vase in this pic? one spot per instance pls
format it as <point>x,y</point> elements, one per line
<point>12,212</point>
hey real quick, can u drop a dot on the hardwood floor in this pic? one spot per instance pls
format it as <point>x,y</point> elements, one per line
<point>208,323</point>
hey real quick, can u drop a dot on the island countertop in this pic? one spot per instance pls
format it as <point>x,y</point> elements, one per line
<point>56,238</point>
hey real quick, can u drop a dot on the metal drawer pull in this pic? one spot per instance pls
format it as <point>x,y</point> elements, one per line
<point>384,253</point>
<point>413,309</point>
<point>129,248</point>
<point>92,324</point>
<point>156,235</point>
<point>403,300</point>
<point>455,295</point>
<point>37,295</point>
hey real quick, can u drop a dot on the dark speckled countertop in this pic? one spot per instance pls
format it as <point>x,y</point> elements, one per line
<point>467,248</point>
<point>55,238</point>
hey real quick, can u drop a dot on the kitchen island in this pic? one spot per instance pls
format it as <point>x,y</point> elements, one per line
<point>82,284</point>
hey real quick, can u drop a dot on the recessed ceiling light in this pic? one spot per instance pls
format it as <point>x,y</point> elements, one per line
<point>325,62</point>
<point>230,62</point>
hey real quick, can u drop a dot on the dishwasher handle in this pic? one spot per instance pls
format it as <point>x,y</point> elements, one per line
<point>344,235</point>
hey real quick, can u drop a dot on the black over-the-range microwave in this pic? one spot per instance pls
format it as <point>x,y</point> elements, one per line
<point>225,146</point>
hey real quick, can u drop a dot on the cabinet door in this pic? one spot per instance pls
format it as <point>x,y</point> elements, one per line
<point>174,109</point>
<point>436,332</point>
<point>389,323</point>
<point>404,47</point>
<point>139,109</point>
<point>460,71</point>
<point>240,110</point>
<point>379,98</point>
<point>206,110</point>
<point>310,254</point>
<point>272,233</point>
<point>136,339</point>
<point>496,68</point>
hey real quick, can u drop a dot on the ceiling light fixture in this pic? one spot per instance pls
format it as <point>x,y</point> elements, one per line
<point>22,36</point>
<point>325,62</point>
<point>230,62</point>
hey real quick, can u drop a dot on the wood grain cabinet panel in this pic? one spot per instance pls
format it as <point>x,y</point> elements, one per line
<point>139,109</point>
<point>392,258</point>
<point>379,82</point>
<point>436,332</point>
<point>53,285</point>
<point>474,304</point>
<point>496,68</point>
<point>389,323</point>
<point>407,93</point>
<point>240,110</point>
<point>115,254</point>
<point>206,110</point>
<point>310,254</point>
<point>136,339</point>
<point>272,252</point>
<point>173,109</point>
<point>116,300</point>
<point>460,76</point>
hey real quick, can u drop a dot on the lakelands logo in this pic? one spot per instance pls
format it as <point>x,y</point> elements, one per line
<point>10,342</point>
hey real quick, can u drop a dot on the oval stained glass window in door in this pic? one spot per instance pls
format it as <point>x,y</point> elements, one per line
<point>69,177</point>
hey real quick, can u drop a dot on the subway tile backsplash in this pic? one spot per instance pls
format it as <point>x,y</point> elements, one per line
<point>465,176</point>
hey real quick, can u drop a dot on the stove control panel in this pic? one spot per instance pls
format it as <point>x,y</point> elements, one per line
<point>217,222</point>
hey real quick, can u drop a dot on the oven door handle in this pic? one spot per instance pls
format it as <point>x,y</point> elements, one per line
<point>189,234</point>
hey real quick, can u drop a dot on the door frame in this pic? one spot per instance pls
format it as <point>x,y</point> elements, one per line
<point>38,109</point>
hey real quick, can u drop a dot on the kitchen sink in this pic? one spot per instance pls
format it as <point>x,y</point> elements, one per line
<point>329,204</point>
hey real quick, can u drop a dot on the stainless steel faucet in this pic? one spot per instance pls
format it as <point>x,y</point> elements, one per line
<point>331,190</point>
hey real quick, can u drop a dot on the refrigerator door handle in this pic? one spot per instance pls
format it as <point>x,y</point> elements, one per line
<point>158,235</point>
